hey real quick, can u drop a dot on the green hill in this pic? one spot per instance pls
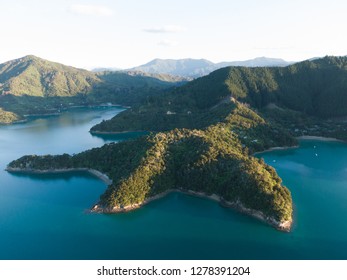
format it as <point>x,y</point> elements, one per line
<point>209,162</point>
<point>34,76</point>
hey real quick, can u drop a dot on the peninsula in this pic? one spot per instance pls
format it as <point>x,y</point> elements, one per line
<point>207,162</point>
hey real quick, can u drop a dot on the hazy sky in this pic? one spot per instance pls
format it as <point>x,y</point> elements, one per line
<point>125,33</point>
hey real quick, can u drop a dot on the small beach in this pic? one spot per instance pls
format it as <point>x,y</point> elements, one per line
<point>320,138</point>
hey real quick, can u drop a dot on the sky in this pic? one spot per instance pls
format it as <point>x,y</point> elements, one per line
<point>127,33</point>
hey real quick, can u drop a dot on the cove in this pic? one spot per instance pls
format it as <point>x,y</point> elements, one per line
<point>44,216</point>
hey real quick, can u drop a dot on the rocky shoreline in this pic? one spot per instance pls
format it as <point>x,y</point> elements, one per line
<point>115,133</point>
<point>276,149</point>
<point>320,138</point>
<point>238,206</point>
<point>98,208</point>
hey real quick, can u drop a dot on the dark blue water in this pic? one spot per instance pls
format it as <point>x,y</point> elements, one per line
<point>44,217</point>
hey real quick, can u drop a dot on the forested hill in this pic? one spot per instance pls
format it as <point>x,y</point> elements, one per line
<point>210,161</point>
<point>34,76</point>
<point>315,88</point>
<point>31,85</point>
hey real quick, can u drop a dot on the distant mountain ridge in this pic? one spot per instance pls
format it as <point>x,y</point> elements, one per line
<point>101,69</point>
<point>194,68</point>
<point>258,62</point>
<point>34,76</point>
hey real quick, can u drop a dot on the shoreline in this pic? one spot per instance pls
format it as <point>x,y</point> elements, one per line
<point>238,206</point>
<point>115,133</point>
<point>97,208</point>
<point>304,137</point>
<point>276,149</point>
<point>103,177</point>
<point>43,115</point>
<point>58,112</point>
<point>319,138</point>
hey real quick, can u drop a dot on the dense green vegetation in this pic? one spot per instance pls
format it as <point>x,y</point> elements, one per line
<point>33,76</point>
<point>299,124</point>
<point>313,88</point>
<point>211,161</point>
<point>31,85</point>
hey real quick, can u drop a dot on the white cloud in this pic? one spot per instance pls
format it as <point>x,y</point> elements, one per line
<point>90,10</point>
<point>165,29</point>
<point>168,43</point>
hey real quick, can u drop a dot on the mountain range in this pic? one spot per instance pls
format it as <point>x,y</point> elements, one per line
<point>315,88</point>
<point>193,68</point>
<point>34,76</point>
<point>31,85</point>
<point>25,81</point>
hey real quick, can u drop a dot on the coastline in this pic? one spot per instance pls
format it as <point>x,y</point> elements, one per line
<point>115,133</point>
<point>58,112</point>
<point>97,208</point>
<point>305,137</point>
<point>14,122</point>
<point>238,206</point>
<point>276,149</point>
<point>320,138</point>
<point>103,177</point>
<point>43,115</point>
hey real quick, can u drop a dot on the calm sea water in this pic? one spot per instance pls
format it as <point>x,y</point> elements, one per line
<point>44,217</point>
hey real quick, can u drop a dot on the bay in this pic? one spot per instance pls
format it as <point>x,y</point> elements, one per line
<point>45,217</point>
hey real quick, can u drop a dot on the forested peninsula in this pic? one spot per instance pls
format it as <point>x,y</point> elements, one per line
<point>211,161</point>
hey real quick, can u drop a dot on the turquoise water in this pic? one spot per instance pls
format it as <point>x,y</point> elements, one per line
<point>44,217</point>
